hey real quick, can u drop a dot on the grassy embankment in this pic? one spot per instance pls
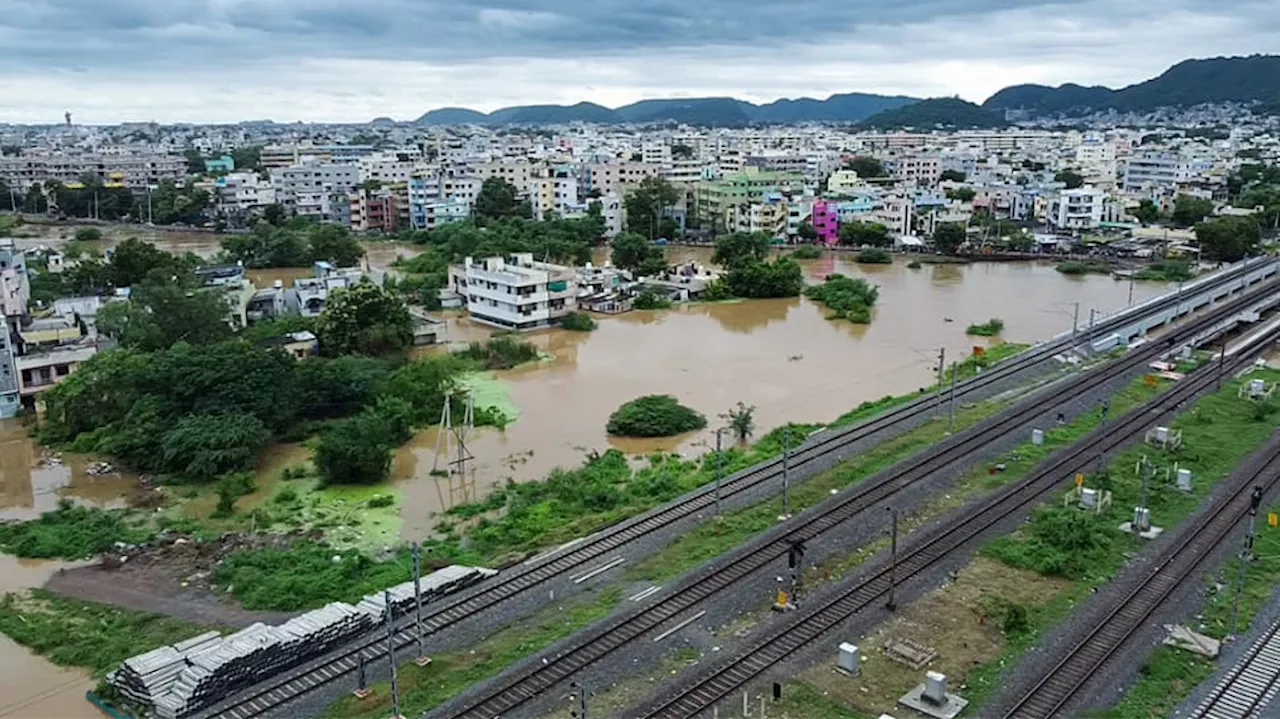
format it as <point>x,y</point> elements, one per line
<point>422,688</point>
<point>84,634</point>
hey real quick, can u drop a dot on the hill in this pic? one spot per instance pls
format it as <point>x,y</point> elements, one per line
<point>936,113</point>
<point>714,111</point>
<point>1190,82</point>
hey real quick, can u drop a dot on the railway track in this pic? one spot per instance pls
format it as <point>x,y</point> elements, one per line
<point>930,547</point>
<point>1250,685</point>
<point>824,447</point>
<point>1175,564</point>
<point>599,641</point>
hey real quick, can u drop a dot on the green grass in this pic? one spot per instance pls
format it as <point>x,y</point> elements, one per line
<point>422,688</point>
<point>84,634</point>
<point>1219,431</point>
<point>71,532</point>
<point>712,539</point>
<point>990,328</point>
<point>1169,674</point>
<point>801,701</point>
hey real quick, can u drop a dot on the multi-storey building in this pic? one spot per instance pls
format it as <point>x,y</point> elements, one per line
<point>613,178</point>
<point>517,292</point>
<point>549,195</point>
<point>770,216</point>
<point>243,191</point>
<point>135,170</point>
<point>15,287</point>
<point>310,185</point>
<point>374,210</point>
<point>923,169</point>
<point>10,391</point>
<point>1078,209</point>
<point>1156,170</point>
<point>516,172</point>
<point>716,197</point>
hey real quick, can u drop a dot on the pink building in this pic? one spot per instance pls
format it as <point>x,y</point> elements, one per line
<point>827,222</point>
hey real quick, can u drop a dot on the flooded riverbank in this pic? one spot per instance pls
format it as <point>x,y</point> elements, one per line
<point>782,356</point>
<point>31,687</point>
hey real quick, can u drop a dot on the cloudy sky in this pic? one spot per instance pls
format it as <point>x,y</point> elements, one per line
<point>352,60</point>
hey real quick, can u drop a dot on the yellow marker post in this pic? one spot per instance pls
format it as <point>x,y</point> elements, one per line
<point>1272,519</point>
<point>1079,479</point>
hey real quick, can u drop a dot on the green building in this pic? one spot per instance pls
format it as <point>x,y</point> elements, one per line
<point>715,197</point>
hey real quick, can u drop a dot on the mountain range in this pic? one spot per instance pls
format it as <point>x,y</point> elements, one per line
<point>720,111</point>
<point>1191,82</point>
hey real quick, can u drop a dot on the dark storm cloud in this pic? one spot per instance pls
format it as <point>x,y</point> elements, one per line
<point>70,31</point>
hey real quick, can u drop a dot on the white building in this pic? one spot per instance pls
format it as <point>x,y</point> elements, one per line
<point>517,292</point>
<point>1096,158</point>
<point>304,185</point>
<point>1079,209</point>
<point>1161,170</point>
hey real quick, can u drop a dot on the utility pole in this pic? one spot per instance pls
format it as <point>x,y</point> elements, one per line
<point>581,690</point>
<point>786,470</point>
<point>1075,324</point>
<point>1246,555</point>
<point>1130,290</point>
<point>892,603</point>
<point>1146,474</point>
<point>951,423</point>
<point>391,654</point>
<point>1222,361</point>
<point>719,468</point>
<point>417,599</point>
<point>942,368</point>
<point>1092,312</point>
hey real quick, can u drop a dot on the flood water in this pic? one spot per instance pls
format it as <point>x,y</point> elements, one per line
<point>781,356</point>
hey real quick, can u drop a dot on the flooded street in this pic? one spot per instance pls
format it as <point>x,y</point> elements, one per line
<point>29,487</point>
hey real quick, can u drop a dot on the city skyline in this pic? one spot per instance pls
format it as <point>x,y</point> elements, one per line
<point>326,61</point>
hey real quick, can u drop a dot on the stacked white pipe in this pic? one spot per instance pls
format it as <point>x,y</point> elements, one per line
<point>181,679</point>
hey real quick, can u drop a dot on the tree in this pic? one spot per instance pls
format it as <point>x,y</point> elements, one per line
<point>742,421</point>
<point>498,198</point>
<point>1227,239</point>
<point>963,194</point>
<point>333,243</point>
<point>248,157</point>
<point>274,214</point>
<point>363,319</point>
<point>204,447</point>
<point>1021,242</point>
<point>195,161</point>
<point>632,252</point>
<point>807,232</point>
<point>645,205</point>
<point>88,234</point>
<point>160,313</point>
<point>948,237</point>
<point>866,167</point>
<point>355,450</point>
<point>1188,210</point>
<point>857,234</point>
<point>1072,178</point>
<point>952,176</point>
<point>681,151</point>
<point>741,247</point>
<point>133,260</point>
<point>1147,212</point>
<point>756,279</point>
<point>172,204</point>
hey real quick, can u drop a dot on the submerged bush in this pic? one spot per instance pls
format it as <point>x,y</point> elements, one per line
<point>578,322</point>
<point>656,415</point>
<point>990,328</point>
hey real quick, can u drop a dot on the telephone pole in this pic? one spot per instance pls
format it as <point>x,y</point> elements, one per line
<point>1246,555</point>
<point>786,470</point>
<point>892,603</point>
<point>942,368</point>
<point>719,468</point>
<point>951,423</point>
<point>391,654</point>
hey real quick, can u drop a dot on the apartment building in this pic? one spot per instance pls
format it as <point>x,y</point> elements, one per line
<point>612,178</point>
<point>374,210</point>
<point>517,172</point>
<point>301,185</point>
<point>387,169</point>
<point>687,172</point>
<point>1096,158</point>
<point>10,391</point>
<point>1078,209</point>
<point>715,198</point>
<point>243,191</point>
<point>548,195</point>
<point>1156,170</point>
<point>516,292</point>
<point>921,169</point>
<point>280,156</point>
<point>135,170</point>
<point>770,217</point>
<point>15,287</point>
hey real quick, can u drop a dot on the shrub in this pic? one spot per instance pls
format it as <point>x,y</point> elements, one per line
<point>500,352</point>
<point>717,290</point>
<point>69,532</point>
<point>656,415</point>
<point>381,500</point>
<point>1015,619</point>
<point>88,234</point>
<point>230,488</point>
<point>650,300</point>
<point>1167,271</point>
<point>914,265</point>
<point>850,298</point>
<point>578,322</point>
<point>874,256</point>
<point>806,252</point>
<point>742,420</point>
<point>1074,267</point>
<point>355,450</point>
<point>990,328</point>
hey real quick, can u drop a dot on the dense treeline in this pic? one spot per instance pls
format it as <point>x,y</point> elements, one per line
<point>297,243</point>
